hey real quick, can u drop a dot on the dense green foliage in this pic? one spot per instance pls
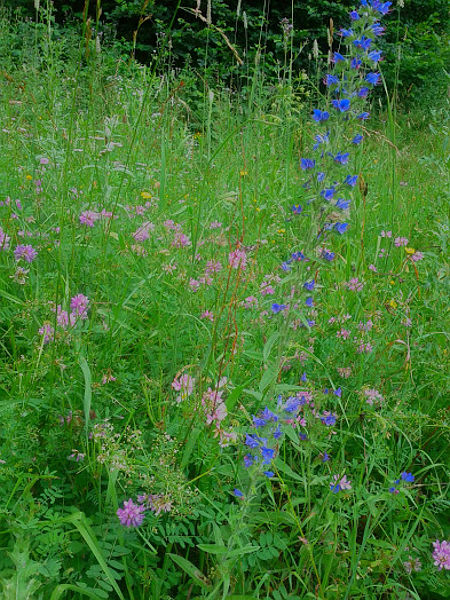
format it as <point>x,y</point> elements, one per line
<point>131,185</point>
<point>255,29</point>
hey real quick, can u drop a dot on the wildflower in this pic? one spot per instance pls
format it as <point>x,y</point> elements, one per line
<point>131,515</point>
<point>237,259</point>
<point>79,305</point>
<point>328,193</point>
<point>340,483</point>
<point>341,227</point>
<point>354,15</point>
<point>330,80</point>
<point>4,240</point>
<point>372,396</point>
<point>373,78</point>
<point>250,302</point>
<point>409,477</point>
<point>328,418</point>
<point>48,332</point>
<point>27,252</point>
<point>393,490</point>
<point>309,285</point>
<point>375,56</point>
<point>363,116</point>
<point>342,158</point>
<point>341,105</point>
<point>342,204</point>
<point>325,457</point>
<point>184,385</point>
<point>441,555</point>
<point>269,474</point>
<point>296,209</point>
<point>400,241</point>
<point>249,460</point>
<point>320,116</point>
<point>276,308</point>
<point>88,218</point>
<point>357,139</point>
<point>238,493</point>
<point>143,232</point>
<point>337,57</point>
<point>267,454</point>
<point>207,315</point>
<point>307,163</point>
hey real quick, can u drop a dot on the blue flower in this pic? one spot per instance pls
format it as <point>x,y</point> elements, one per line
<point>331,79</point>
<point>326,457</point>
<point>341,105</point>
<point>309,301</point>
<point>363,43</point>
<point>363,92</point>
<point>328,193</point>
<point>307,163</point>
<point>355,63</point>
<point>251,441</point>
<point>327,255</point>
<point>320,176</point>
<point>373,78</point>
<point>393,490</point>
<point>351,180</point>
<point>277,433</point>
<point>320,116</point>
<point>269,474</point>
<point>286,266</point>
<point>267,454</point>
<point>354,15</point>
<point>276,308</point>
<point>328,419</point>
<point>357,139</point>
<point>346,33</point>
<point>342,158</point>
<point>296,209</point>
<point>409,477</point>
<point>338,392</point>
<point>309,285</point>
<point>259,422</point>
<point>363,116</point>
<point>303,436</point>
<point>249,459</point>
<point>342,204</point>
<point>292,404</point>
<point>298,256</point>
<point>304,376</point>
<point>377,29</point>
<point>375,56</point>
<point>337,57</point>
<point>321,139</point>
<point>238,493</point>
<point>341,227</point>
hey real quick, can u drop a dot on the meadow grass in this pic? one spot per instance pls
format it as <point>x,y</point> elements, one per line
<point>145,335</point>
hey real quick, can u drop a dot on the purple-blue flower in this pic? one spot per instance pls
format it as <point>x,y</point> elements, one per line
<point>276,308</point>
<point>307,163</point>
<point>341,227</point>
<point>319,115</point>
<point>309,285</point>
<point>341,105</point>
<point>131,515</point>
<point>238,493</point>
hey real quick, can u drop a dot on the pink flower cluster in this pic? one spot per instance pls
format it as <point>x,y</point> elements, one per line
<point>183,384</point>
<point>89,217</point>
<point>441,555</point>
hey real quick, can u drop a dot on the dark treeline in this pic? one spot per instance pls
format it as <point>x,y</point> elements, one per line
<point>216,35</point>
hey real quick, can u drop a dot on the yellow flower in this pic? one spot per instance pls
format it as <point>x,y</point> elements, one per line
<point>29,177</point>
<point>392,282</point>
<point>146,195</point>
<point>410,250</point>
<point>243,173</point>
<point>281,230</point>
<point>392,303</point>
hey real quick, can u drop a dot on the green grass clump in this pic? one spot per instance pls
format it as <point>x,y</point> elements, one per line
<point>134,189</point>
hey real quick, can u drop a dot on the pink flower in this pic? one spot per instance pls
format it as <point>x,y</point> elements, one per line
<point>387,234</point>
<point>354,284</point>
<point>340,483</point>
<point>250,302</point>
<point>417,256</point>
<point>131,515</point>
<point>194,284</point>
<point>48,332</point>
<point>143,232</point>
<point>28,253</point>
<point>237,259</point>
<point>181,240</point>
<point>88,218</point>
<point>79,305</point>
<point>207,315</point>
<point>373,396</point>
<point>215,225</point>
<point>373,268</point>
<point>343,333</point>
<point>401,241</point>
<point>213,266</point>
<point>4,240</point>
<point>184,385</point>
<point>441,555</point>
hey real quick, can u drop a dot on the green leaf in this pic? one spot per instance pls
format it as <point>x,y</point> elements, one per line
<point>190,569</point>
<point>269,345</point>
<point>61,590</point>
<point>213,548</point>
<point>87,389</point>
